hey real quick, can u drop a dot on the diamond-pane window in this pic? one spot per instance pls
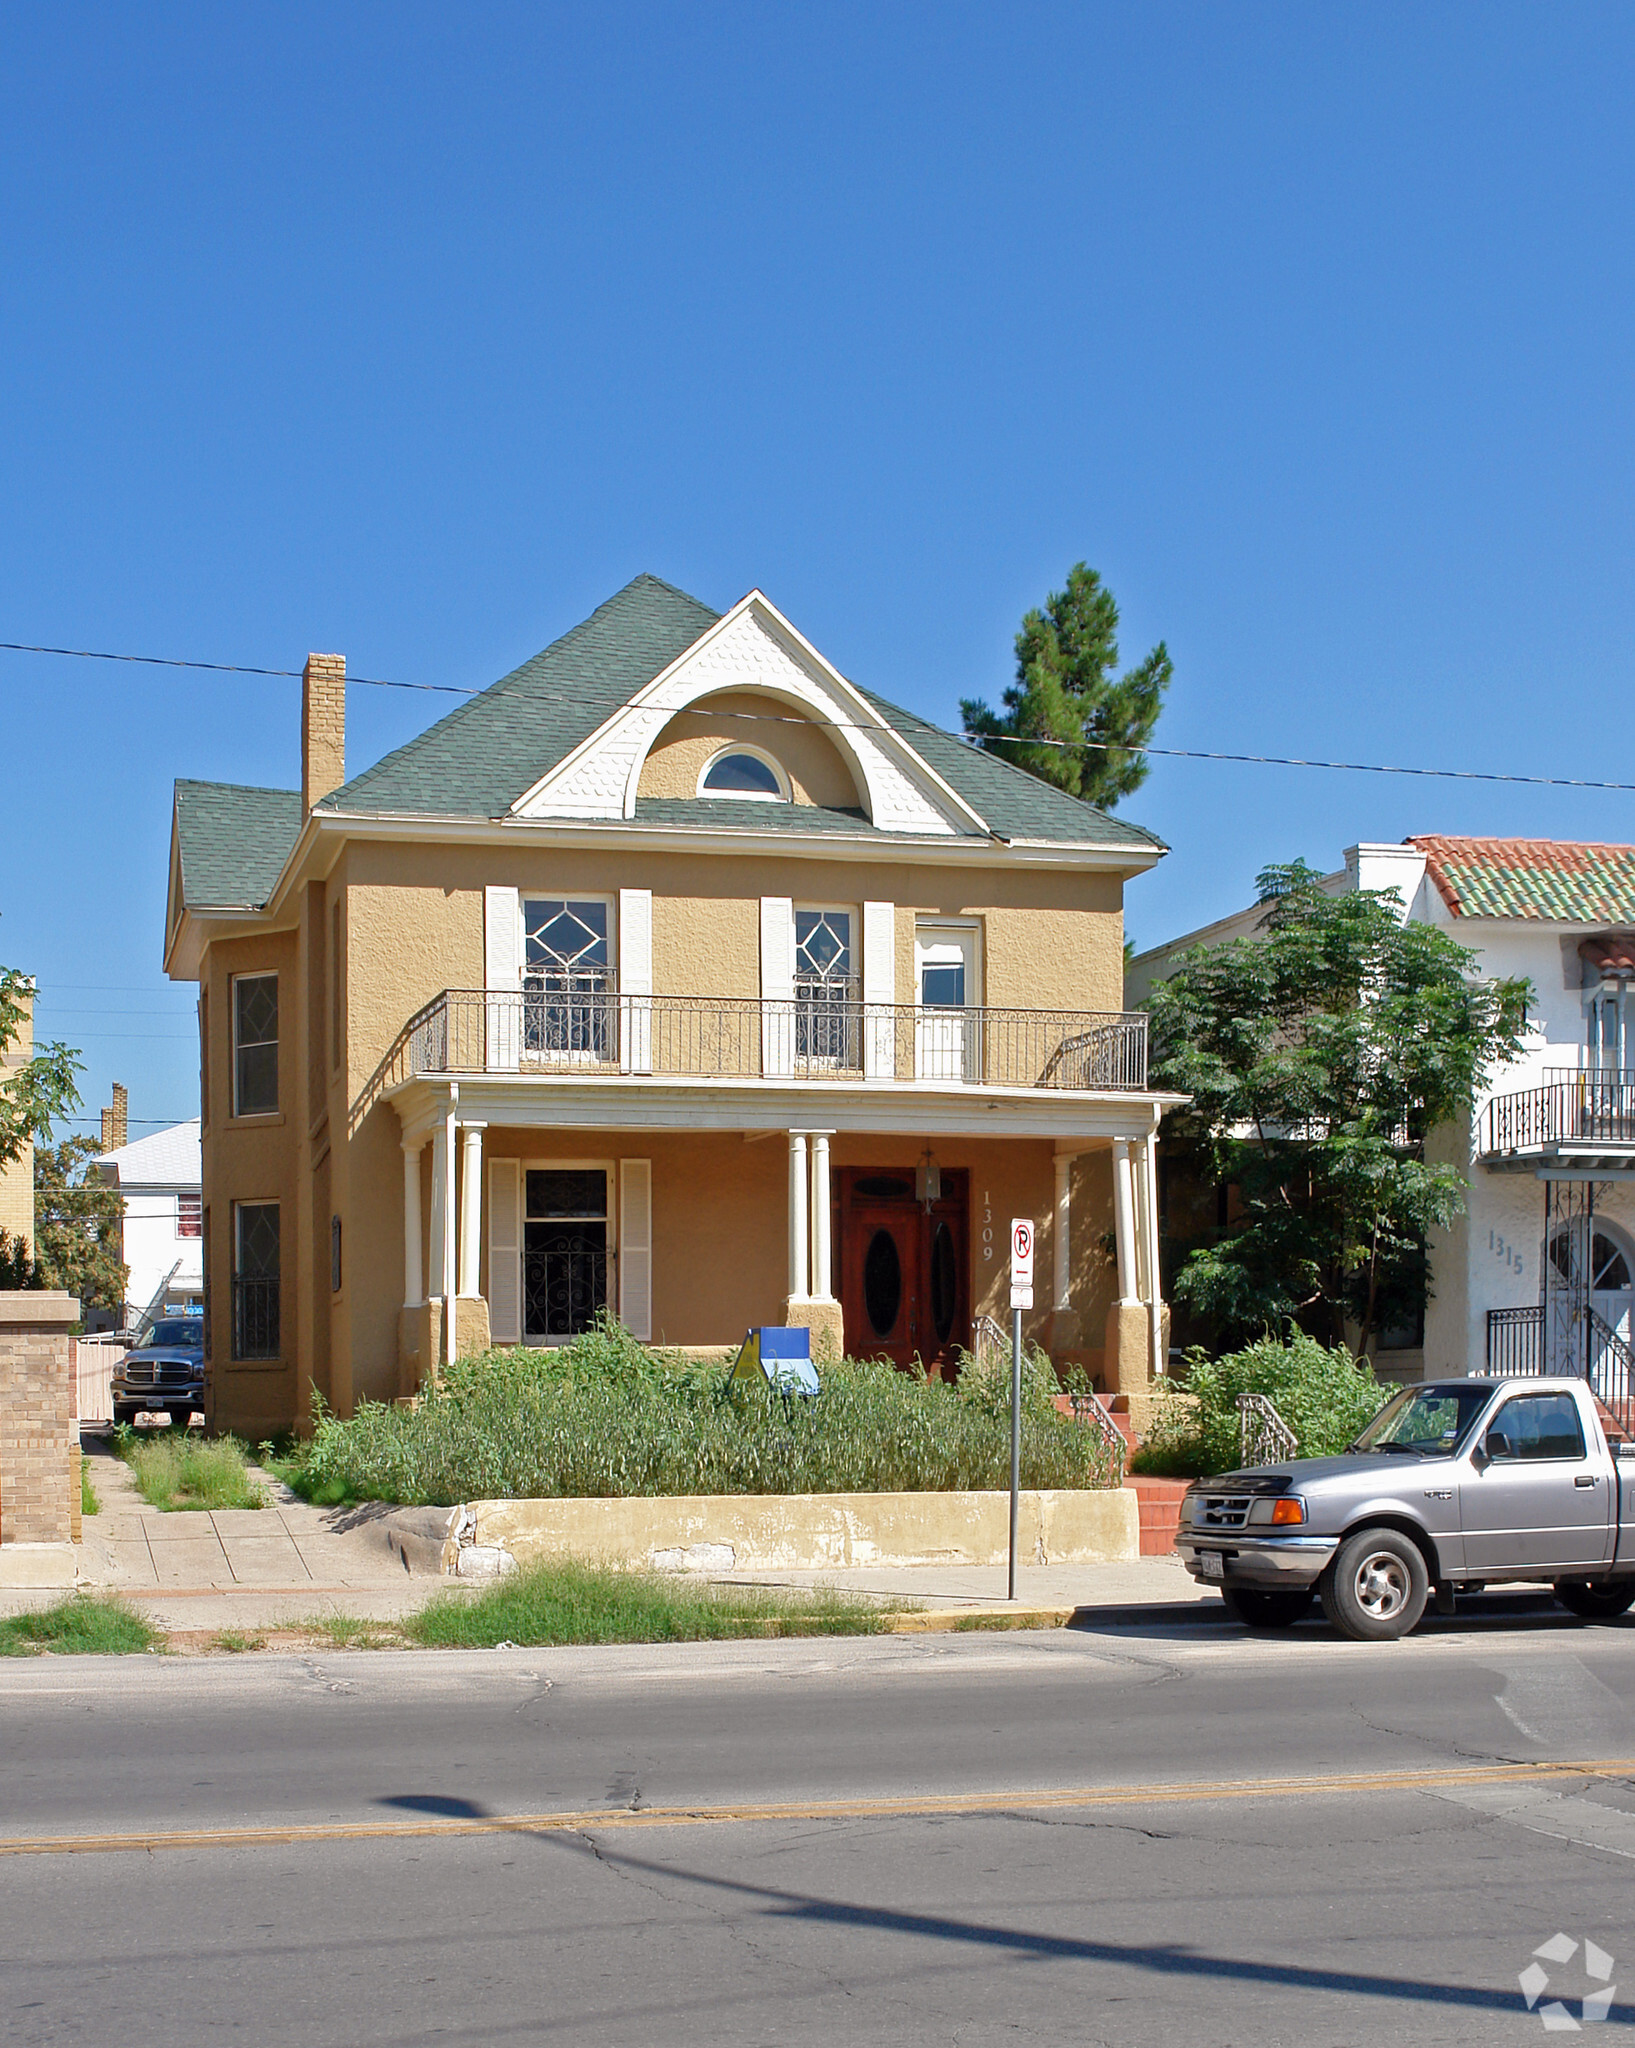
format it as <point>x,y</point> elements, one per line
<point>255,1044</point>
<point>569,1008</point>
<point>823,946</point>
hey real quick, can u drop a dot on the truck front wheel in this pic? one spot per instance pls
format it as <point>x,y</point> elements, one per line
<point>1593,1601</point>
<point>1266,1610</point>
<point>1377,1586</point>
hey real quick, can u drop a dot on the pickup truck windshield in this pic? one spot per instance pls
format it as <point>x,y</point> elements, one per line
<point>1432,1421</point>
<point>182,1335</point>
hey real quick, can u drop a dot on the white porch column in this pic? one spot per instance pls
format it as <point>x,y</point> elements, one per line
<point>448,1282</point>
<point>797,1217</point>
<point>822,1267</point>
<point>1063,1254</point>
<point>439,1202</point>
<point>414,1274</point>
<point>1124,1222</point>
<point>471,1208</point>
<point>1149,1237</point>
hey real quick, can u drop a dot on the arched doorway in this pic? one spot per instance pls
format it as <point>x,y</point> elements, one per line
<point>1590,1303</point>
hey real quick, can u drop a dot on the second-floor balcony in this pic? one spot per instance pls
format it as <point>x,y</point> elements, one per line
<point>1589,1115</point>
<point>588,1027</point>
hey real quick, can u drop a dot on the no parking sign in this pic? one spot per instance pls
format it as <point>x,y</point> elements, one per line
<point>1021,1262</point>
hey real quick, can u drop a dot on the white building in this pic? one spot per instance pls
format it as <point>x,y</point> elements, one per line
<point>1540,1271</point>
<point>161,1180</point>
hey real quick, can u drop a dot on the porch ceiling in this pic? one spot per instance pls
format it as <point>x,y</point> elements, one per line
<point>639,1103</point>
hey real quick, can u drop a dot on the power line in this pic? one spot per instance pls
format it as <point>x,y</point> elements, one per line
<point>979,742</point>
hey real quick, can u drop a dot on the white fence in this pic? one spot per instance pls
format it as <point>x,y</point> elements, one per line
<point>94,1359</point>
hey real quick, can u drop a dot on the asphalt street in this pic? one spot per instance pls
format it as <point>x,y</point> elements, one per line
<point>1149,1833</point>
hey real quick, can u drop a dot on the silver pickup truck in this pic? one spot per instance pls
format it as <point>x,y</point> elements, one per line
<point>1455,1485</point>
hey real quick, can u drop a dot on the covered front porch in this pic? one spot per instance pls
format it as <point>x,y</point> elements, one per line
<point>693,1210</point>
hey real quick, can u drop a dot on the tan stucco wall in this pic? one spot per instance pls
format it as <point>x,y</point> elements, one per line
<point>817,772</point>
<point>253,1159</point>
<point>412,925</point>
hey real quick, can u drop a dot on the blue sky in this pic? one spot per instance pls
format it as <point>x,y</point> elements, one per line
<point>413,333</point>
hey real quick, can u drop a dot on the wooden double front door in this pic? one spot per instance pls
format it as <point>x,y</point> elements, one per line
<point>904,1278</point>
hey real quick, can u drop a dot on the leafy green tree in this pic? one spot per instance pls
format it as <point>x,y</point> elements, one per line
<point>17,1267</point>
<point>77,1219</point>
<point>42,1090</point>
<point>1318,1057</point>
<point>1068,718</point>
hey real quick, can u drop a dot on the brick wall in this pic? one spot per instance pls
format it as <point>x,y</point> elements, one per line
<point>36,1418</point>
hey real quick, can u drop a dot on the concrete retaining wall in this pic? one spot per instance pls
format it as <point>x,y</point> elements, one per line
<point>795,1532</point>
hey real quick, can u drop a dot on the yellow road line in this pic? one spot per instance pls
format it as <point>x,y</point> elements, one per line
<point>926,1806</point>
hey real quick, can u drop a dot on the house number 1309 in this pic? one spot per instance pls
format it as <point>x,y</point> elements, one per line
<point>987,1224</point>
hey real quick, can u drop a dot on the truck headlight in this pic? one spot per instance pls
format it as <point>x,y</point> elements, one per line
<point>1286,1510</point>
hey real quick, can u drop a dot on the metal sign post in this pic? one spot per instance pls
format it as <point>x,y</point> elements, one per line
<point>1021,1298</point>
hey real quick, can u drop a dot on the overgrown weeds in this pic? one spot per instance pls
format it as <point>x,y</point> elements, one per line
<point>606,1416</point>
<point>1325,1397</point>
<point>88,1502</point>
<point>83,1624</point>
<point>565,1600</point>
<point>176,1470</point>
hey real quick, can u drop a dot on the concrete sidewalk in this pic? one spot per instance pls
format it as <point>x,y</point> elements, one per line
<point>287,1563</point>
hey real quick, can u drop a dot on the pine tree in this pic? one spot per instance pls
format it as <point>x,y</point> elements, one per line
<point>1066,692</point>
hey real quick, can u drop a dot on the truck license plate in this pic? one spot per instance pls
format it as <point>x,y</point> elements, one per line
<point>1211,1565</point>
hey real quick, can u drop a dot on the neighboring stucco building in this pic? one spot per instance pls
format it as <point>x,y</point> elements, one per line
<point>673,974</point>
<point>17,1177</point>
<point>1539,1270</point>
<point>160,1180</point>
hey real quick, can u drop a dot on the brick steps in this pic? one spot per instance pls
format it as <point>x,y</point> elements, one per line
<point>1158,1503</point>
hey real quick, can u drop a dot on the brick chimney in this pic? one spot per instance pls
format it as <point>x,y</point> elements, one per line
<point>116,1121</point>
<point>323,727</point>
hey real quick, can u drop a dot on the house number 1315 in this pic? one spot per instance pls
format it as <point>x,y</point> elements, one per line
<point>1502,1248</point>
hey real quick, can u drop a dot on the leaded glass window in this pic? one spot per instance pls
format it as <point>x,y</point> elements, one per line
<point>256,1259</point>
<point>569,991</point>
<point>255,1044</point>
<point>827,1020</point>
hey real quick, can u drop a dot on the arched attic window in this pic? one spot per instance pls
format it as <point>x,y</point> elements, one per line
<point>740,771</point>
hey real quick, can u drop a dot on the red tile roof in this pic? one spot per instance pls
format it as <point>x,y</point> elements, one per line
<point>1568,881</point>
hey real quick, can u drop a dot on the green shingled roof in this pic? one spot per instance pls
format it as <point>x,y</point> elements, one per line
<point>479,760</point>
<point>476,762</point>
<point>233,842</point>
<point>1570,881</point>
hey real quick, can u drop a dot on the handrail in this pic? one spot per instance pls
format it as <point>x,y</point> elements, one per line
<point>1090,1409</point>
<point>575,1031</point>
<point>1567,1107</point>
<point>1264,1438</point>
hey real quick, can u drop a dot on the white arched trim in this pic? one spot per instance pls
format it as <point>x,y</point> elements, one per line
<point>753,648</point>
<point>784,794</point>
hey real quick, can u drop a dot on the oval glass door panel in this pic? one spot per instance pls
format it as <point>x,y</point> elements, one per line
<point>882,1282</point>
<point>944,1283</point>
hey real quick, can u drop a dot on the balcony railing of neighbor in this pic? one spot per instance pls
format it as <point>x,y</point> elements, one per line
<point>572,1031</point>
<point>1589,1108</point>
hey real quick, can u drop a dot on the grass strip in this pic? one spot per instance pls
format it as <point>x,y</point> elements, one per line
<point>88,1502</point>
<point>565,1600</point>
<point>176,1471</point>
<point>83,1624</point>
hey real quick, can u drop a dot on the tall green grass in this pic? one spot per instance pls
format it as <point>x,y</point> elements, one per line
<point>84,1624</point>
<point>563,1600</point>
<point>176,1470</point>
<point>1325,1396</point>
<point>606,1416</point>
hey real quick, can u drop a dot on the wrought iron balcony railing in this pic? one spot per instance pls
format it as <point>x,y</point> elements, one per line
<point>816,1036</point>
<point>1588,1108</point>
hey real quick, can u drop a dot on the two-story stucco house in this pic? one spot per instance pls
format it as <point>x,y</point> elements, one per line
<point>675,975</point>
<point>1539,1273</point>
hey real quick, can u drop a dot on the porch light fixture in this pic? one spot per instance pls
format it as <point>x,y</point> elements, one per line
<point>928,1180</point>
